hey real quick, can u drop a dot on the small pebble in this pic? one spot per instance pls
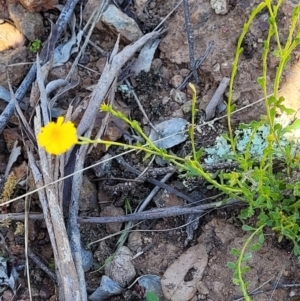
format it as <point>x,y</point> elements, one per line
<point>44,293</point>
<point>135,241</point>
<point>176,80</point>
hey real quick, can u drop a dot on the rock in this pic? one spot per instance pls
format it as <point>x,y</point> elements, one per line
<point>3,10</point>
<point>140,4</point>
<point>7,295</point>
<point>107,288</point>
<point>86,259</point>
<point>100,64</point>
<point>218,289</point>
<point>102,169</point>
<point>135,241</point>
<point>220,6</point>
<point>202,288</point>
<point>121,269</point>
<point>17,206</point>
<point>174,286</point>
<point>165,100</point>
<point>10,37</point>
<point>176,81</point>
<point>117,21</point>
<point>186,107</point>
<point>35,292</point>
<point>30,24</point>
<point>112,211</point>
<point>16,72</point>
<point>36,6</point>
<point>170,133</point>
<point>88,195</point>
<point>165,199</point>
<point>178,113</point>
<point>44,293</point>
<point>156,64</point>
<point>178,96</point>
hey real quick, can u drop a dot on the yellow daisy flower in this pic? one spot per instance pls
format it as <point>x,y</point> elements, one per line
<point>57,137</point>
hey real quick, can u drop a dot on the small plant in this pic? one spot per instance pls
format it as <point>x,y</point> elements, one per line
<point>242,257</point>
<point>273,197</point>
<point>35,46</point>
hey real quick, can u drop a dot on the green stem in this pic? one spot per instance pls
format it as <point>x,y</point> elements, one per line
<point>238,52</point>
<point>240,261</point>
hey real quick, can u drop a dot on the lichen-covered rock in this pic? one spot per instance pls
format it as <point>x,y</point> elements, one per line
<point>121,269</point>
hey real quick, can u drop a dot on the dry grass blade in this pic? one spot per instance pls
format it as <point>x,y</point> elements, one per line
<point>45,173</point>
<point>67,274</point>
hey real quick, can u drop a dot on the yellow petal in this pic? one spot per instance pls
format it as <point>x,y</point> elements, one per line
<point>57,137</point>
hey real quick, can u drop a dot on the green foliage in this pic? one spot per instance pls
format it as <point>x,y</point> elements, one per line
<point>240,267</point>
<point>271,196</point>
<point>35,46</point>
<point>151,296</point>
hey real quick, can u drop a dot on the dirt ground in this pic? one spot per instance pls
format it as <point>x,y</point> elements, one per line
<point>274,273</point>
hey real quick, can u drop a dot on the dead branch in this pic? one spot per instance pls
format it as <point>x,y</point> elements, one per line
<point>146,215</point>
<point>211,107</point>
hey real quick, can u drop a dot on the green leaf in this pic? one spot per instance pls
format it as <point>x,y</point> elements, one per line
<point>235,252</point>
<point>276,53</point>
<point>199,153</point>
<point>261,238</point>
<point>248,228</point>
<point>255,247</point>
<point>151,296</point>
<point>296,249</point>
<point>296,11</point>
<point>236,281</point>
<point>261,81</point>
<point>245,269</point>
<point>294,126</point>
<point>232,108</point>
<point>147,156</point>
<point>244,213</point>
<point>231,265</point>
<point>247,256</point>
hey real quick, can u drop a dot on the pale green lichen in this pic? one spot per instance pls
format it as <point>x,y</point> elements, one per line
<point>222,151</point>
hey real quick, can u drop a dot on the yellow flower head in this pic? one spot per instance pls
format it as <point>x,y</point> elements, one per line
<point>57,137</point>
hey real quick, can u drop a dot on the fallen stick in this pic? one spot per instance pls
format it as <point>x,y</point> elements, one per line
<point>146,215</point>
<point>212,105</point>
